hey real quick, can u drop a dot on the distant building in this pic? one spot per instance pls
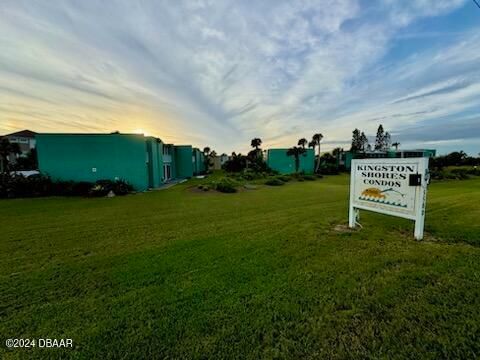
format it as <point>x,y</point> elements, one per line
<point>346,157</point>
<point>278,160</point>
<point>26,143</point>
<point>218,161</point>
<point>25,140</point>
<point>143,161</point>
<point>224,158</point>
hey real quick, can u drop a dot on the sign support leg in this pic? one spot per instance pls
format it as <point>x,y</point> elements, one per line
<point>352,217</point>
<point>419,225</point>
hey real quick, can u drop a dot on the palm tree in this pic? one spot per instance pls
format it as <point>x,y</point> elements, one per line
<point>317,139</point>
<point>302,142</point>
<point>256,152</point>
<point>396,145</point>
<point>296,151</point>
<point>256,143</point>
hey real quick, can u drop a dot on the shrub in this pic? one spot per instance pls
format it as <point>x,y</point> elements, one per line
<point>121,187</point>
<point>80,188</point>
<point>461,174</point>
<point>103,187</point>
<point>226,188</point>
<point>329,169</point>
<point>226,185</point>
<point>20,186</point>
<point>274,182</point>
<point>474,171</point>
<point>437,174</point>
<point>297,175</point>
<point>284,178</point>
<point>203,187</point>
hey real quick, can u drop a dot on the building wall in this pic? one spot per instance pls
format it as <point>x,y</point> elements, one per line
<point>278,160</point>
<point>92,157</point>
<point>154,147</point>
<point>183,161</point>
<point>199,163</point>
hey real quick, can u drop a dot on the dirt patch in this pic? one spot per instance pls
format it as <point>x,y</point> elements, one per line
<point>430,238</point>
<point>343,229</point>
<point>197,190</point>
<point>427,237</point>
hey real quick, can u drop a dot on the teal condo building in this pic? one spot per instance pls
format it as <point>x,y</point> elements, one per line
<point>143,161</point>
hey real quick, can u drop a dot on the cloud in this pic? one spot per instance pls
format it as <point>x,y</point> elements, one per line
<point>221,72</point>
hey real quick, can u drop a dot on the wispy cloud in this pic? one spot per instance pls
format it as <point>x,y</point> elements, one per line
<point>221,72</point>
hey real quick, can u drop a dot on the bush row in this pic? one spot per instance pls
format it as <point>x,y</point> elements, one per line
<point>454,174</point>
<point>35,186</point>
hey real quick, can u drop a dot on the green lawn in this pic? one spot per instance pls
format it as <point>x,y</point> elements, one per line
<point>258,274</point>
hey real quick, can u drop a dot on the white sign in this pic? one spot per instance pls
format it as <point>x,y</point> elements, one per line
<point>396,187</point>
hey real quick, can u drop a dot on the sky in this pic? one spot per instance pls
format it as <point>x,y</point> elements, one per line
<point>219,73</point>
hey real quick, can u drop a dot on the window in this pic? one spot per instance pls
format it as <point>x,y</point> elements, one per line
<point>18,140</point>
<point>166,150</point>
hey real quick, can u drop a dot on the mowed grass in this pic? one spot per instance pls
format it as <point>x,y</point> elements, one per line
<point>257,274</point>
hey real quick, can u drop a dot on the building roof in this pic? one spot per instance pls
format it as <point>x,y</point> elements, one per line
<point>23,133</point>
<point>285,149</point>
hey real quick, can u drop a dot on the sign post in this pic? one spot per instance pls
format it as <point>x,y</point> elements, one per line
<point>390,186</point>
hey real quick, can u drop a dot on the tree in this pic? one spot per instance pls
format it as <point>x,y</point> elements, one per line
<point>380,139</point>
<point>337,151</point>
<point>337,154</point>
<point>317,139</point>
<point>28,162</point>
<point>456,158</point>
<point>256,153</point>
<point>302,142</point>
<point>236,163</point>
<point>356,141</point>
<point>364,145</point>
<point>296,151</point>
<point>328,158</point>
<point>255,143</point>
<point>6,150</point>
<point>396,145</point>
